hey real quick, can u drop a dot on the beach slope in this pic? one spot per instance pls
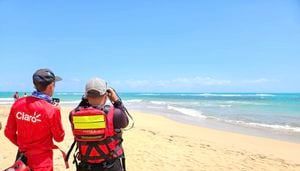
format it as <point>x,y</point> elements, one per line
<point>157,143</point>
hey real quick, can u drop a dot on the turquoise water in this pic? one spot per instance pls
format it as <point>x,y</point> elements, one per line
<point>277,111</point>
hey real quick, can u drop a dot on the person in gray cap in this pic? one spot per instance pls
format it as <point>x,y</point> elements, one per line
<point>34,122</point>
<point>97,129</point>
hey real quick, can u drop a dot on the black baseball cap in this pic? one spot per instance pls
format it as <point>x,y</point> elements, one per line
<point>44,77</point>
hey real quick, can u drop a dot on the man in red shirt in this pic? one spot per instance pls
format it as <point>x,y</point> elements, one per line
<point>34,121</point>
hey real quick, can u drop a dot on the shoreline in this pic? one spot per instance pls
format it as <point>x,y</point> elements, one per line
<point>210,123</point>
<point>293,137</point>
<point>160,143</point>
<point>210,147</point>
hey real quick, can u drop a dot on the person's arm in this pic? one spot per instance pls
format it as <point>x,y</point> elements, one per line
<point>120,117</point>
<point>56,126</point>
<point>11,127</point>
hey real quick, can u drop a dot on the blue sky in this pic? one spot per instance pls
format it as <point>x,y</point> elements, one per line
<point>153,46</point>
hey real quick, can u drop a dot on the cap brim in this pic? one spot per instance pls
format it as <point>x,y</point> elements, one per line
<point>100,92</point>
<point>58,78</point>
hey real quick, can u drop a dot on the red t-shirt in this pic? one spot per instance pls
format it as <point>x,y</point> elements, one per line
<point>32,125</point>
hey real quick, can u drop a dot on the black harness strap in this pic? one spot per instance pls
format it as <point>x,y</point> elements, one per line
<point>105,156</point>
<point>70,150</point>
<point>123,163</point>
<point>85,156</point>
<point>75,159</point>
<point>118,145</point>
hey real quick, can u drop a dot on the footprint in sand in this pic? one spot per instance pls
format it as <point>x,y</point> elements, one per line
<point>152,132</point>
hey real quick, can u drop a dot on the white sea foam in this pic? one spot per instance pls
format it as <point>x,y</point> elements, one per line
<point>70,102</point>
<point>193,94</point>
<point>60,93</point>
<point>133,101</point>
<point>227,95</point>
<point>265,95</point>
<point>211,94</point>
<point>148,94</point>
<point>6,103</point>
<point>245,103</point>
<point>153,107</point>
<point>188,94</point>
<point>187,111</point>
<point>230,95</point>
<point>68,93</point>
<point>263,125</point>
<point>220,95</point>
<point>207,94</point>
<point>225,106</point>
<point>158,102</point>
<point>7,99</point>
<point>77,93</point>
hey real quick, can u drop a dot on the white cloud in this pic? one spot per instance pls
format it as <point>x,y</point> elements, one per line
<point>258,81</point>
<point>138,83</point>
<point>197,83</point>
<point>177,82</point>
<point>210,81</point>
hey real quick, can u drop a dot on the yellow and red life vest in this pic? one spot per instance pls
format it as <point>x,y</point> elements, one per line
<point>95,135</point>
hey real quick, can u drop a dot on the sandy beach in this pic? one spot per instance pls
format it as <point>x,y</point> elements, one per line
<point>158,143</point>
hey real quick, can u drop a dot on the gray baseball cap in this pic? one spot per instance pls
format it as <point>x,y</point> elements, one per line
<point>96,84</point>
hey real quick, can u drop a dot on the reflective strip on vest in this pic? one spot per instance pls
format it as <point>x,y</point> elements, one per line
<point>89,122</point>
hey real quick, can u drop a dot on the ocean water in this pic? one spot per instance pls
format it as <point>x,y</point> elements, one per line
<point>276,114</point>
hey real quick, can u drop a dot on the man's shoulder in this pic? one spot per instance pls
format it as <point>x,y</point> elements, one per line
<point>105,108</point>
<point>22,101</point>
<point>74,110</point>
<point>41,104</point>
